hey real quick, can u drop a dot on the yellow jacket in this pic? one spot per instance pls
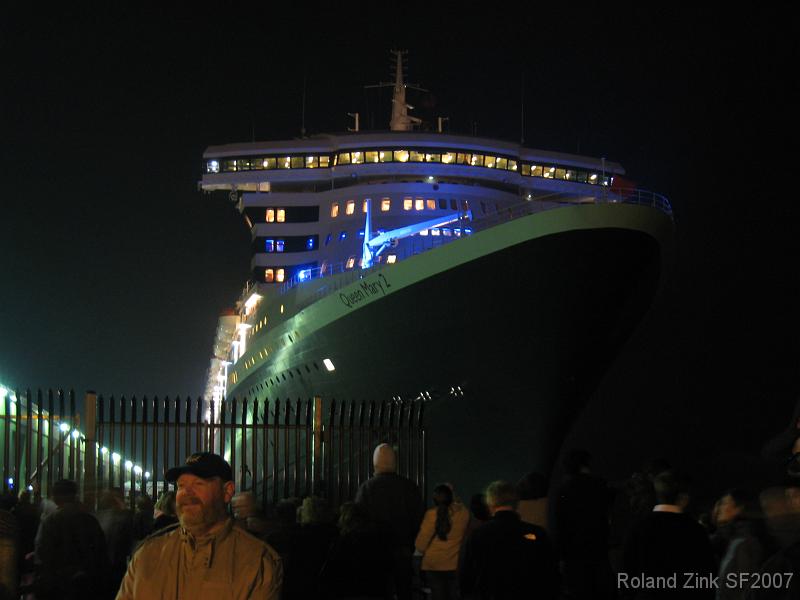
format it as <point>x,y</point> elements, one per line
<point>442,555</point>
<point>228,564</point>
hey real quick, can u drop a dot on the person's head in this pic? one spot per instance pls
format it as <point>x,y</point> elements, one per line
<point>384,459</point>
<point>576,461</point>
<point>111,499</point>
<point>315,510</point>
<point>286,511</point>
<point>672,487</point>
<point>166,503</point>
<point>243,505</point>
<point>532,486</point>
<point>734,504</point>
<point>65,492</point>
<point>478,508</point>
<point>501,495</point>
<point>204,489</point>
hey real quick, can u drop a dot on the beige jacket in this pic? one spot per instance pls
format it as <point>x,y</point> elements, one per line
<point>442,555</point>
<point>229,564</point>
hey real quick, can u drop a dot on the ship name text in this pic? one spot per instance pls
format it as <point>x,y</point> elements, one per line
<point>368,289</point>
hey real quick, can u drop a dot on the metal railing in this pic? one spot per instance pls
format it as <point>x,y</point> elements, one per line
<point>276,448</point>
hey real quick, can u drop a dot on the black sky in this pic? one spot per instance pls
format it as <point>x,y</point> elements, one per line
<point>114,267</point>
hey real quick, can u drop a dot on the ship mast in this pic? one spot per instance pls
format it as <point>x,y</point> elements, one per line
<point>401,120</point>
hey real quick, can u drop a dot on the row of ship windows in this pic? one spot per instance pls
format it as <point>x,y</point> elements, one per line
<point>405,156</point>
<point>409,203</point>
<point>278,274</point>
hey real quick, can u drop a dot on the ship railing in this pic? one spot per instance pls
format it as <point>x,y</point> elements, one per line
<point>423,243</point>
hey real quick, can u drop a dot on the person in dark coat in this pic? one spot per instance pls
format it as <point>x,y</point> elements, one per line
<point>116,521</point>
<point>71,556</point>
<point>394,503</point>
<point>668,544</point>
<point>506,557</point>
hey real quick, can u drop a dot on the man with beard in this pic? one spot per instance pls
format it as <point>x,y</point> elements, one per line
<point>204,556</point>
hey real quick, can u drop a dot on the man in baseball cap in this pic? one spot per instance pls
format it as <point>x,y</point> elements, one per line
<point>204,555</point>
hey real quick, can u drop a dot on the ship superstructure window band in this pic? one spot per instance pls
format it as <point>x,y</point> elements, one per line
<point>454,157</point>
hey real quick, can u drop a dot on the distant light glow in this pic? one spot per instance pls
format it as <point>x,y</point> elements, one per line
<point>213,166</point>
<point>252,301</point>
<point>430,177</point>
<point>147,474</point>
<point>328,364</point>
<point>128,464</point>
<point>30,488</point>
<point>103,450</point>
<point>76,434</point>
<point>116,458</point>
<point>137,469</point>
<point>10,481</point>
<point>64,427</point>
<point>304,274</point>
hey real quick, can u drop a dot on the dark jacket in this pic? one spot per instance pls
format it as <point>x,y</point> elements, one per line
<point>394,503</point>
<point>508,558</point>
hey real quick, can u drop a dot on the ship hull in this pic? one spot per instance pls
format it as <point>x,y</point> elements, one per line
<point>507,344</point>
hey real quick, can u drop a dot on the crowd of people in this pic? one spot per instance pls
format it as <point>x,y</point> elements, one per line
<point>589,540</point>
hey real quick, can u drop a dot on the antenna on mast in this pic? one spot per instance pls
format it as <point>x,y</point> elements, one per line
<point>401,120</point>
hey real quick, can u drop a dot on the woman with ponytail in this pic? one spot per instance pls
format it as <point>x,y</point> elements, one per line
<point>439,540</point>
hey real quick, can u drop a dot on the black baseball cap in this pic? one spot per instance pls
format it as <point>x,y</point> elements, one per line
<point>202,464</point>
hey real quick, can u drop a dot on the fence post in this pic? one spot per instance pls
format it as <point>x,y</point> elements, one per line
<point>317,456</point>
<point>89,464</point>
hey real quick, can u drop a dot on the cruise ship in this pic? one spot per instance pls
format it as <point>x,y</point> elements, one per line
<point>493,281</point>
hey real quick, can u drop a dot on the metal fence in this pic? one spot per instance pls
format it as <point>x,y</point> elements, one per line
<point>277,448</point>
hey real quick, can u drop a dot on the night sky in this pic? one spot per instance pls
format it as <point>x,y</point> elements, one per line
<point>114,268</point>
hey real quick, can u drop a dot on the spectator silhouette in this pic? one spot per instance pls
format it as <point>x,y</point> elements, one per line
<point>116,521</point>
<point>581,515</point>
<point>164,512</point>
<point>532,507</point>
<point>394,502</point>
<point>71,555</point>
<point>507,558</point>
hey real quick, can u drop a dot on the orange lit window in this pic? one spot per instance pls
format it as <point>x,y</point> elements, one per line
<point>391,259</point>
<point>364,206</point>
<point>335,210</point>
<point>408,203</point>
<point>270,215</point>
<point>350,262</point>
<point>431,204</point>
<point>280,275</point>
<point>269,275</point>
<point>357,158</point>
<point>386,204</point>
<point>281,215</point>
<point>350,207</point>
<point>419,204</point>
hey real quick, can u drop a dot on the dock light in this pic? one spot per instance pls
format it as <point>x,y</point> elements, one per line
<point>328,364</point>
<point>63,427</point>
<point>137,469</point>
<point>3,393</point>
<point>128,465</point>
<point>30,488</point>
<point>116,458</point>
<point>76,434</point>
<point>10,481</point>
<point>147,474</point>
<point>103,450</point>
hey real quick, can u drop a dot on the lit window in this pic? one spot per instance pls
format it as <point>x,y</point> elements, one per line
<point>453,204</point>
<point>431,204</point>
<point>512,165</point>
<point>526,169</point>
<point>371,156</point>
<point>334,210</point>
<point>312,162</point>
<point>284,162</point>
<point>297,162</point>
<point>344,158</point>
<point>357,157</point>
<point>570,175</point>
<point>536,171</point>
<point>324,267</point>
<point>269,275</point>
<point>280,275</point>
<point>342,236</point>
<point>433,158</point>
<point>448,158</point>
<point>310,243</point>
<point>489,162</point>
<point>384,156</point>
<point>279,246</point>
<point>415,156</point>
<point>391,259</point>
<point>281,215</point>
<point>419,204</point>
<point>386,204</point>
<point>462,159</point>
<point>350,262</point>
<point>213,166</point>
<point>434,232</point>
<point>364,206</point>
<point>324,161</point>
<point>549,173</point>
<point>446,231</point>
<point>502,163</point>
<point>593,178</point>
<point>350,207</point>
<point>424,232</point>
<point>401,155</point>
<point>561,173</point>
<point>270,215</point>
<point>269,163</point>
<point>408,203</point>
<point>270,246</point>
<point>476,160</point>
